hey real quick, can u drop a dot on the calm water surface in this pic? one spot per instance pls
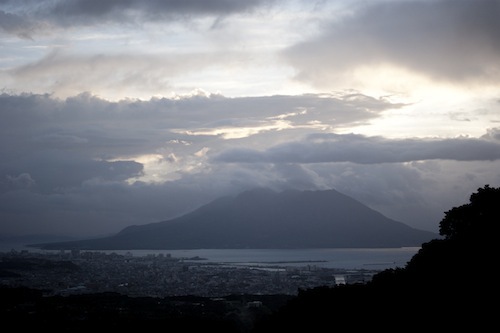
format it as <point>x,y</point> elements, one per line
<point>345,258</point>
<point>352,258</point>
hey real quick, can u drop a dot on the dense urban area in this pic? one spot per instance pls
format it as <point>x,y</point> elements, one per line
<point>160,275</point>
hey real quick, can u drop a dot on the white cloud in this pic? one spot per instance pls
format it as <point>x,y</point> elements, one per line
<point>446,40</point>
<point>112,75</point>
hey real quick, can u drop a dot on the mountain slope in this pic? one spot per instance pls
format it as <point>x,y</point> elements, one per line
<point>262,218</point>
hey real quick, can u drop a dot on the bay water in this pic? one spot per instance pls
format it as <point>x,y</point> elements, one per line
<point>342,258</point>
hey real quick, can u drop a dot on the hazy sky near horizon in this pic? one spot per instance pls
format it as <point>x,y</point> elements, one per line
<point>129,112</point>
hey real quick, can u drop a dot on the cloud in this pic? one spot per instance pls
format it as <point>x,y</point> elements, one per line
<point>86,166</point>
<point>16,25</point>
<point>22,17</point>
<point>63,143</point>
<point>416,193</point>
<point>78,163</point>
<point>152,9</point>
<point>447,40</point>
<point>22,181</point>
<point>492,134</point>
<point>112,74</point>
<point>323,148</point>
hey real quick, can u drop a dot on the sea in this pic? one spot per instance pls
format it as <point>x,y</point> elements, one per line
<point>341,258</point>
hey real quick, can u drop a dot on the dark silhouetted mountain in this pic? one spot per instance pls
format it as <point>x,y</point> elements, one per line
<point>263,218</point>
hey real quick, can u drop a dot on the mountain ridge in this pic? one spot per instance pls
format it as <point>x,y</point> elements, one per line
<point>263,218</point>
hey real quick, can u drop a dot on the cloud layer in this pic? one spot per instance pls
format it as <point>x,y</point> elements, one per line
<point>325,148</point>
<point>449,40</point>
<point>30,18</point>
<point>87,166</point>
<point>128,112</point>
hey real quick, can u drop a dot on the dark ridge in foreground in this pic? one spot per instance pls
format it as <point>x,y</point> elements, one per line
<point>263,218</point>
<point>448,285</point>
<point>29,309</point>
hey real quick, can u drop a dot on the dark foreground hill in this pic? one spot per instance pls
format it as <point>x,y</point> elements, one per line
<point>263,218</point>
<point>449,285</point>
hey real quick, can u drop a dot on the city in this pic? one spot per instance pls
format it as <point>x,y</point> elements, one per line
<point>83,272</point>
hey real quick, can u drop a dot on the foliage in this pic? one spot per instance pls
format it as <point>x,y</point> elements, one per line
<point>441,287</point>
<point>477,219</point>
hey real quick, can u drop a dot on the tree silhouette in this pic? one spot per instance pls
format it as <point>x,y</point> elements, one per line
<point>478,219</point>
<point>447,285</point>
<point>469,245</point>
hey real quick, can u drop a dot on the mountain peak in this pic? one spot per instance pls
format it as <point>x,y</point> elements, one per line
<point>264,218</point>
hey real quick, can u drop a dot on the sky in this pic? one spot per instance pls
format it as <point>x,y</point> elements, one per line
<point>117,113</point>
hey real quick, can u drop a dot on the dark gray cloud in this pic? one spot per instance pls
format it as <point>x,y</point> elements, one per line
<point>492,134</point>
<point>72,166</point>
<point>153,8</point>
<point>17,25</point>
<point>88,123</point>
<point>322,148</point>
<point>451,40</point>
<point>52,170</point>
<point>9,22</point>
<point>25,18</point>
<point>66,162</point>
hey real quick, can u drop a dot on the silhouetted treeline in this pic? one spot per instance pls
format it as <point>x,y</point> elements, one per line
<point>28,309</point>
<point>449,284</point>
